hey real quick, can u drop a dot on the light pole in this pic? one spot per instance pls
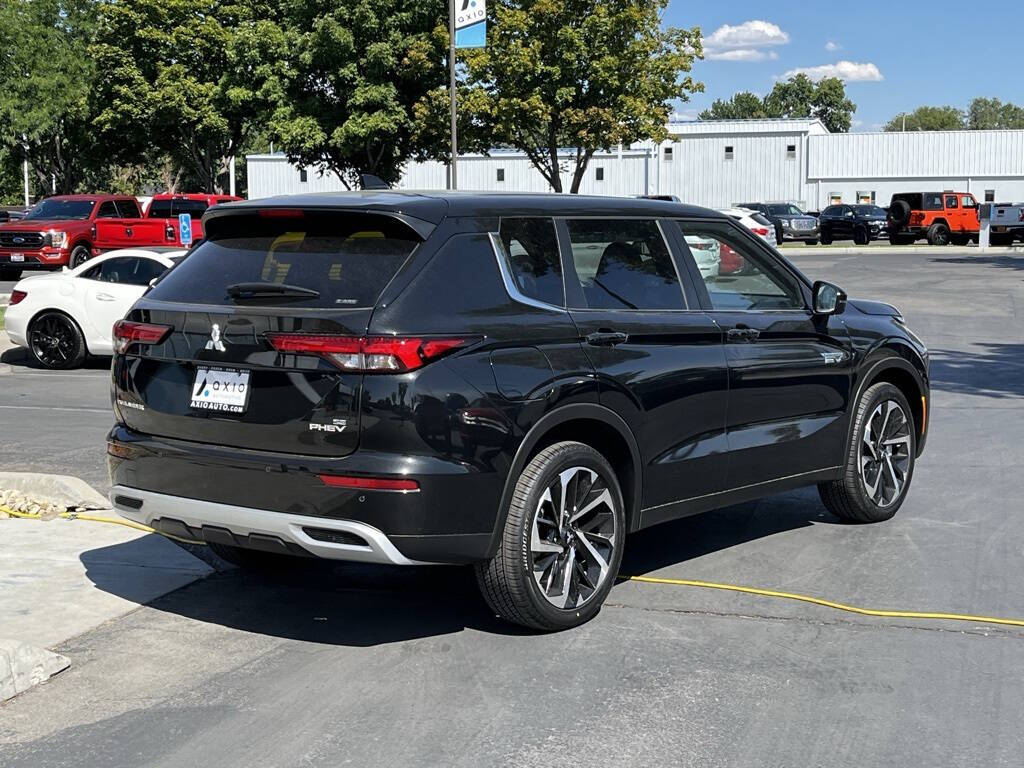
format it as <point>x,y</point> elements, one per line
<point>454,181</point>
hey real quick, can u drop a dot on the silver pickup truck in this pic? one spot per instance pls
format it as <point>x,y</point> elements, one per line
<point>1007,223</point>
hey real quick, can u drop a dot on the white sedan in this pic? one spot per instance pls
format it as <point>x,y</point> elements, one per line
<point>753,221</point>
<point>64,316</point>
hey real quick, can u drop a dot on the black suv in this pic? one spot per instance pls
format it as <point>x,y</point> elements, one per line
<point>514,381</point>
<point>790,222</point>
<point>860,223</point>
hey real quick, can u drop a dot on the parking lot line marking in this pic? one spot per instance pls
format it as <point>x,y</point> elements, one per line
<point>55,408</point>
<point>828,603</point>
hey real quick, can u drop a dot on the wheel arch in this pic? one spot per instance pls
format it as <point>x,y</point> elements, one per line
<point>592,424</point>
<point>58,311</point>
<point>894,368</point>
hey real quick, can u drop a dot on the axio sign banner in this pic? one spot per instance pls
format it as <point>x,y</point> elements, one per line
<point>470,23</point>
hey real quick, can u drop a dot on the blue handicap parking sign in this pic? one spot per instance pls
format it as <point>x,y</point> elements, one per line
<point>185,229</point>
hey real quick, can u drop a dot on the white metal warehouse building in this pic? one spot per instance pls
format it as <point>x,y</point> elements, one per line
<point>720,163</point>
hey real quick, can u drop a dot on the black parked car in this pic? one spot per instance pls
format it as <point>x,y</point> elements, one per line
<point>790,222</point>
<point>860,223</point>
<point>513,381</point>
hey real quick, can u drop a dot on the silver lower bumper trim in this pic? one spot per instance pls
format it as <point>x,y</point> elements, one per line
<point>246,520</point>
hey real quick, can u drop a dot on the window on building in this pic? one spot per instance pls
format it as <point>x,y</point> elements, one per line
<point>791,151</point>
<point>866,198</point>
<point>531,251</point>
<point>835,198</point>
<point>728,152</point>
<point>990,195</point>
<point>501,174</point>
<point>303,176</point>
<point>599,173</point>
<point>668,153</point>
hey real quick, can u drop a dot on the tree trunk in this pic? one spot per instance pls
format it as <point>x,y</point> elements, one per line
<point>582,161</point>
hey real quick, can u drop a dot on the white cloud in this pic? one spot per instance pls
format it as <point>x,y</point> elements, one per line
<point>744,42</point>
<point>743,54</point>
<point>848,71</point>
<point>832,45</point>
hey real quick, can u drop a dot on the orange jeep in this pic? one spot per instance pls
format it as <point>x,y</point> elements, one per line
<point>942,217</point>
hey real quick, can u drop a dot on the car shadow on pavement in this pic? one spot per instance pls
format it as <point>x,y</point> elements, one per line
<point>997,370</point>
<point>1007,261</point>
<point>21,357</point>
<point>361,605</point>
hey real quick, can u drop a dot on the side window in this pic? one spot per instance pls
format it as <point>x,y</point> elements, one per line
<point>128,209</point>
<point>120,270</point>
<point>967,201</point>
<point>830,211</point>
<point>146,271</point>
<point>107,210</point>
<point>624,264</point>
<point>737,274</point>
<point>92,273</point>
<point>531,252</point>
<point>951,201</point>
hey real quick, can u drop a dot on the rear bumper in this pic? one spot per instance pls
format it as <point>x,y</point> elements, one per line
<point>450,519</point>
<point>16,324</point>
<point>257,528</point>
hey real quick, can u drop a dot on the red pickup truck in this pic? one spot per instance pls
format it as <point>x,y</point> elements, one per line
<point>67,230</point>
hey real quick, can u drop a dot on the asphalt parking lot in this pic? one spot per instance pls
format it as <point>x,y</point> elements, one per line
<point>336,664</point>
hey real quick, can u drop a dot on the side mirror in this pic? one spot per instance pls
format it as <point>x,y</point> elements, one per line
<point>828,299</point>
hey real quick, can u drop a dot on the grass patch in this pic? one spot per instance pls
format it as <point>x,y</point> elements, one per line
<point>2,310</point>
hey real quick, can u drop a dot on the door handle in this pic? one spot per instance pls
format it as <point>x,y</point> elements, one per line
<point>742,334</point>
<point>105,297</point>
<point>606,338</point>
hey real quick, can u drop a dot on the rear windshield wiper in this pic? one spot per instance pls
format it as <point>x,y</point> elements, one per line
<point>271,291</point>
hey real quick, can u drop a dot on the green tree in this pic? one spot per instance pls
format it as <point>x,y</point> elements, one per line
<point>187,80</point>
<point>352,80</point>
<point>46,79</point>
<point>992,114</point>
<point>797,97</point>
<point>928,119</point>
<point>743,106</point>
<point>587,74</point>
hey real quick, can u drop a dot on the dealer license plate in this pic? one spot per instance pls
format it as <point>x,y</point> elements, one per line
<point>220,389</point>
<point>17,257</point>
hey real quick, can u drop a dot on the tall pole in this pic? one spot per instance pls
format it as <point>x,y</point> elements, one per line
<point>451,89</point>
<point>24,169</point>
<point>231,166</point>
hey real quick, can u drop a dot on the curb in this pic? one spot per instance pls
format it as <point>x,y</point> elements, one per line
<point>5,299</point>
<point>62,490</point>
<point>23,666</point>
<point>898,249</point>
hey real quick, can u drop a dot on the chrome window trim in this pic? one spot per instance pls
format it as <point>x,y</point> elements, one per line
<point>510,284</point>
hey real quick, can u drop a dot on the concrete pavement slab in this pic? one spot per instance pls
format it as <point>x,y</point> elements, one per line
<point>23,666</point>
<point>56,576</point>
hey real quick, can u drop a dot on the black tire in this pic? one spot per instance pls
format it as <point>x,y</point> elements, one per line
<point>938,234</point>
<point>826,236</point>
<point>79,255</point>
<point>861,236</point>
<point>255,559</point>
<point>10,274</point>
<point>899,213</point>
<point>1000,240</point>
<point>56,341</point>
<point>848,498</point>
<point>507,581</point>
<point>810,242</point>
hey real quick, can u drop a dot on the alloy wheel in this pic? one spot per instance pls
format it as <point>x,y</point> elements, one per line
<point>53,341</point>
<point>573,538</point>
<point>885,453</point>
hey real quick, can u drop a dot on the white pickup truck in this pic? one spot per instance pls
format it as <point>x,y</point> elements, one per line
<point>1007,223</point>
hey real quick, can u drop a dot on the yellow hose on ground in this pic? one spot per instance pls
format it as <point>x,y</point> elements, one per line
<point>101,519</point>
<point>641,579</point>
<point>828,603</point>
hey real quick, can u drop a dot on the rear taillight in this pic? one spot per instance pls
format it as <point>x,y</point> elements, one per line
<point>760,231</point>
<point>368,354</point>
<point>169,232</point>
<point>17,297</point>
<point>370,483</point>
<point>127,332</point>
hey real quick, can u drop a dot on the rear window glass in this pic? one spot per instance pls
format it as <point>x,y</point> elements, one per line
<point>347,258</point>
<point>170,209</point>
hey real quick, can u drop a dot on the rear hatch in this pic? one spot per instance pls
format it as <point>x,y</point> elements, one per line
<point>238,356</point>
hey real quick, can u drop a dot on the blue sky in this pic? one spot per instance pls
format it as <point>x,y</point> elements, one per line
<point>894,55</point>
